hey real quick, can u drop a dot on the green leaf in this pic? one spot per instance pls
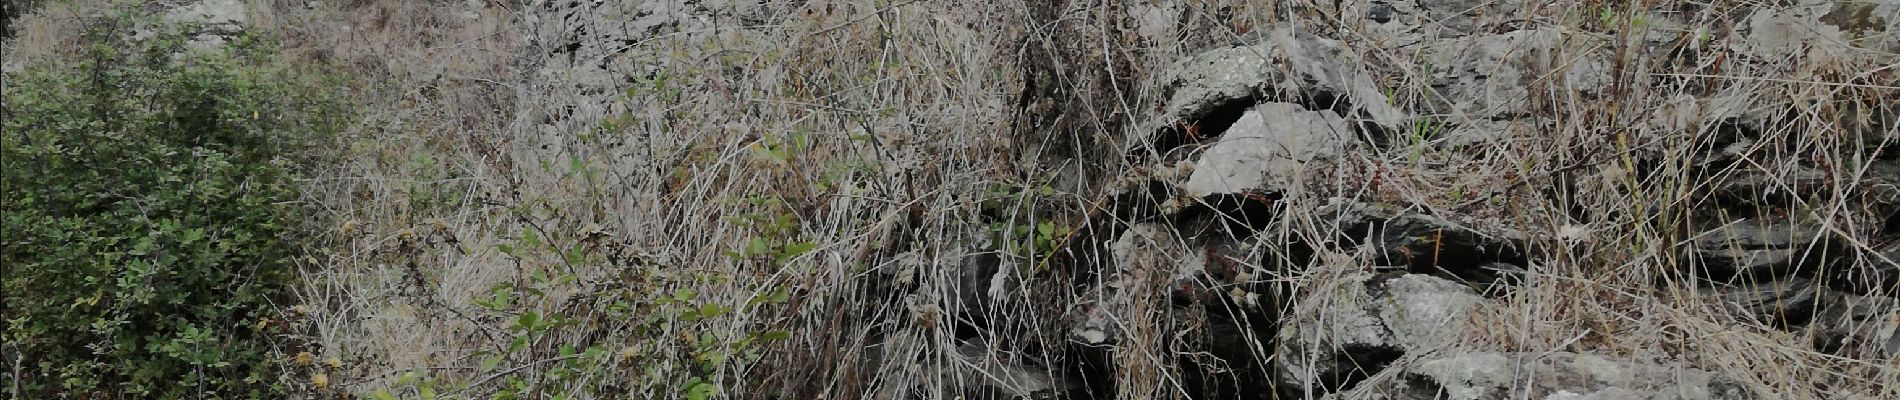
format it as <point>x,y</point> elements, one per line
<point>770,152</point>
<point>489,363</point>
<point>757,246</point>
<point>778,334</point>
<point>529,240</point>
<point>383,395</point>
<point>528,320</point>
<point>700,391</point>
<point>796,249</point>
<point>710,310</point>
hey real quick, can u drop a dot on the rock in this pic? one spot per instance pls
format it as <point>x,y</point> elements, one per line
<point>1347,331</point>
<point>1783,303</point>
<point>1754,188</point>
<point>1147,265</point>
<point>981,285</point>
<point>1156,21</point>
<point>1859,326</point>
<point>1553,375</point>
<point>1286,66</point>
<point>1493,76</point>
<point>1822,29</point>
<point>1758,247</point>
<point>1870,24</point>
<point>1409,21</point>
<point>217,21</point>
<point>1271,148</point>
<point>1192,296</point>
<point>1434,245</point>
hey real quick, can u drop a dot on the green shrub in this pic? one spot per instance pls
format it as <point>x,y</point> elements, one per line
<point>149,218</point>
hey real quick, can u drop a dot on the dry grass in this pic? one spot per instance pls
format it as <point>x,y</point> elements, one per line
<point>474,137</point>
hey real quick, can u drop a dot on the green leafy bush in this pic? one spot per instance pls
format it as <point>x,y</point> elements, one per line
<point>149,222</point>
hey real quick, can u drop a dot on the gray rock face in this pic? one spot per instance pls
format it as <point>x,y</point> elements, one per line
<point>1841,29</point>
<point>1366,321</point>
<point>1781,302</point>
<point>212,22</point>
<point>1493,76</point>
<point>1864,326</point>
<point>1271,148</point>
<point>1403,22</point>
<point>1753,247</point>
<point>1555,375</point>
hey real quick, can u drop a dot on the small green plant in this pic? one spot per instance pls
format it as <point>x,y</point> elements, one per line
<point>1423,132</point>
<point>1018,226</point>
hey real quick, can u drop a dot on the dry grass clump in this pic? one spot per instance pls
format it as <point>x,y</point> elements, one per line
<point>415,182</point>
